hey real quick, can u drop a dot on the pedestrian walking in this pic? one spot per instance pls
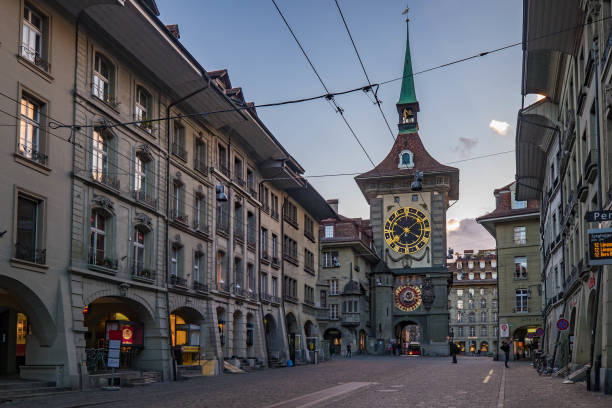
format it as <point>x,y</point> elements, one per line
<point>506,349</point>
<point>348,351</point>
<point>454,350</point>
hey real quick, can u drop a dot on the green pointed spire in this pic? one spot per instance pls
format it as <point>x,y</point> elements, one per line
<point>408,95</point>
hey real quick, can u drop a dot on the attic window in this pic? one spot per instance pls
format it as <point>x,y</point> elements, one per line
<point>406,160</point>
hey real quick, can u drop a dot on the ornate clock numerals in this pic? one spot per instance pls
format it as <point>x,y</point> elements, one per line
<point>407,230</point>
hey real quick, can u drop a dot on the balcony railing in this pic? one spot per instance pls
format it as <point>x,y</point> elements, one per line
<point>29,253</point>
<point>144,197</point>
<point>322,313</point>
<point>309,235</point>
<point>179,216</point>
<point>275,261</point>
<point>520,309</point>
<point>251,237</point>
<point>265,297</point>
<point>200,287</point>
<point>224,169</point>
<point>253,192</point>
<point>239,230</point>
<point>199,165</point>
<point>29,152</point>
<point>252,294</point>
<point>222,221</point>
<point>274,214</point>
<point>223,287</point>
<point>291,221</point>
<point>178,281</point>
<point>351,319</point>
<point>239,180</point>
<point>106,179</point>
<point>238,290</point>
<point>590,167</point>
<point>179,151</point>
<point>275,299</point>
<point>140,271</point>
<point>97,257</point>
<point>201,227</point>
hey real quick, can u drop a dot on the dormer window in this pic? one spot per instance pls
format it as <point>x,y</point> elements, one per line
<point>406,160</point>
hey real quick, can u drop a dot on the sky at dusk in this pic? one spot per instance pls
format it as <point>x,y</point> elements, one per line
<point>468,109</point>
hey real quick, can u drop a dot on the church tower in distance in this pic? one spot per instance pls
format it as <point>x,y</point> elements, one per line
<point>410,284</point>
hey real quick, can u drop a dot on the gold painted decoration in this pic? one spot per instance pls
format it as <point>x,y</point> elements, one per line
<point>407,297</point>
<point>407,230</point>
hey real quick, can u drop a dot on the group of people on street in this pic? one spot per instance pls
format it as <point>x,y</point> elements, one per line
<point>454,350</point>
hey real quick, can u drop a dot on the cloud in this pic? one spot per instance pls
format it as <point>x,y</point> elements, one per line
<point>499,127</point>
<point>467,234</point>
<point>465,146</point>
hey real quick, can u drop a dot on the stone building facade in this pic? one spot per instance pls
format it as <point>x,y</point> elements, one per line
<point>563,160</point>
<point>473,302</point>
<point>515,226</point>
<point>343,288</point>
<point>157,215</point>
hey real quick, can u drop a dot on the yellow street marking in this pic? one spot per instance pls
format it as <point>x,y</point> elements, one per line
<point>486,380</point>
<point>491,372</point>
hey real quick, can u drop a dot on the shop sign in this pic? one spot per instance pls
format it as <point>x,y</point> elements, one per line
<point>600,246</point>
<point>191,349</point>
<point>114,348</point>
<point>127,334</point>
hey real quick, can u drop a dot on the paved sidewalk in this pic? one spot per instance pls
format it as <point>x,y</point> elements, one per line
<point>367,382</point>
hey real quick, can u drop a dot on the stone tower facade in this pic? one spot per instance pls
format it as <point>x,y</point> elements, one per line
<point>410,283</point>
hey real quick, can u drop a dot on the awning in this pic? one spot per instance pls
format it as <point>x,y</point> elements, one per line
<point>535,132</point>
<point>551,29</point>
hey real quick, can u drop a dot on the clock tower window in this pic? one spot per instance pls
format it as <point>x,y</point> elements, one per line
<point>406,160</point>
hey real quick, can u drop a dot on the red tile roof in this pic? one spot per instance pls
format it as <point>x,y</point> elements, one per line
<point>503,197</point>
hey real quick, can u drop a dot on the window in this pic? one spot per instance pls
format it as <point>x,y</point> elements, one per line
<point>198,265</point>
<point>238,273</point>
<point>221,268</point>
<point>264,198</point>
<point>471,293</point>
<point>329,231</point>
<point>101,159</point>
<point>472,331</point>
<point>308,295</point>
<point>200,155</point>
<point>460,304</point>
<point>178,202</point>
<point>274,286</point>
<point>459,276</point>
<point>521,300</point>
<point>140,174</point>
<point>472,317</point>
<point>99,251</point>
<point>520,267</point>
<point>290,213</point>
<point>330,259</point>
<point>483,275</point>
<point>139,251</point>
<point>482,291</point>
<point>238,221</point>
<point>483,331</point>
<point>459,317</point>
<point>483,303</point>
<point>144,181</point>
<point>29,245</point>
<point>323,298</point>
<point>520,235</point>
<point>290,288</point>
<point>33,38</point>
<point>274,202</point>
<point>309,261</point>
<point>263,283</point>
<point>251,278</point>
<point>494,317</point>
<point>483,317</point>
<point>405,160</point>
<point>30,136</point>
<point>290,250</point>
<point>494,304</point>
<point>176,267</point>
<point>471,275</point>
<point>471,304</point>
<point>309,228</point>
<point>275,248</point>
<point>460,331</point>
<point>178,140</point>
<point>264,243</point>
<point>238,171</point>
<point>333,312</point>
<point>333,286</point>
<point>517,204</point>
<point>199,212</point>
<point>222,159</point>
<point>143,108</point>
<point>103,79</point>
<point>459,292</point>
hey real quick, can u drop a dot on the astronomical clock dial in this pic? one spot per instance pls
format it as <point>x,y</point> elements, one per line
<point>407,230</point>
<point>407,297</point>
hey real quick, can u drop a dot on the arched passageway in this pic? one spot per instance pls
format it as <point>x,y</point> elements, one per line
<point>185,324</point>
<point>292,335</point>
<point>334,337</point>
<point>408,337</point>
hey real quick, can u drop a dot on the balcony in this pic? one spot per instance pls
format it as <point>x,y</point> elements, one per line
<point>274,214</point>
<point>29,253</point>
<point>239,231</point>
<point>178,281</point>
<point>275,262</point>
<point>29,152</point>
<point>237,290</point>
<point>265,258</point>
<point>291,221</point>
<point>252,295</point>
<point>201,227</point>
<point>106,179</point>
<point>240,181</point>
<point>200,287</point>
<point>179,216</point>
<point>275,299</point>
<point>223,287</point>
<point>309,269</point>
<point>265,297</point>
<point>322,313</point>
<point>253,192</point>
<point>309,235</point>
<point>179,151</point>
<point>224,169</point>
<point>144,197</point>
<point>291,299</point>
<point>98,258</point>
<point>590,167</point>
<point>291,258</point>
<point>142,273</point>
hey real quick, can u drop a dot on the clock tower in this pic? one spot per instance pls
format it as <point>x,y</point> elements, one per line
<point>409,193</point>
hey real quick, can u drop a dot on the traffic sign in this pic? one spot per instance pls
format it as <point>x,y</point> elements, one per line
<point>562,324</point>
<point>539,332</point>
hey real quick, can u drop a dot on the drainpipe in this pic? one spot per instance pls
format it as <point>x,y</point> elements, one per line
<point>563,256</point>
<point>600,203</point>
<point>167,244</point>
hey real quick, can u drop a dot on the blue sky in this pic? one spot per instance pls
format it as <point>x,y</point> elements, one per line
<point>250,40</point>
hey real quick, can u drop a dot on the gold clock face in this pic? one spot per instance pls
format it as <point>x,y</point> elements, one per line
<point>407,230</point>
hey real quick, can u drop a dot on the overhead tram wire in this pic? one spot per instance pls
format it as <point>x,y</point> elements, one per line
<point>328,97</point>
<point>365,73</point>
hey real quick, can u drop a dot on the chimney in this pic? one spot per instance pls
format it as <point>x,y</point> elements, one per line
<point>174,30</point>
<point>333,203</point>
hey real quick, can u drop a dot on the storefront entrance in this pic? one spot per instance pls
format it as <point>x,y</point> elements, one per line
<point>293,338</point>
<point>408,336</point>
<point>334,337</point>
<point>362,341</point>
<point>524,342</point>
<point>185,327</point>
<point>13,332</point>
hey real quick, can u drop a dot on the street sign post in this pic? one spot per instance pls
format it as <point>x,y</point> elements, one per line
<point>539,332</point>
<point>114,353</point>
<point>562,324</point>
<point>600,246</point>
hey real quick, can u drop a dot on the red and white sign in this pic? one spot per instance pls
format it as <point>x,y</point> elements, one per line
<point>504,330</point>
<point>591,281</point>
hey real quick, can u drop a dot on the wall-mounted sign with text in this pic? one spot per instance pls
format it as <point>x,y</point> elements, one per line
<point>600,246</point>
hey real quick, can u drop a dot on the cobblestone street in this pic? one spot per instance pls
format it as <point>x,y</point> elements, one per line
<point>360,382</point>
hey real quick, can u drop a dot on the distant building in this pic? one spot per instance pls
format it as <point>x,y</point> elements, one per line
<point>473,301</point>
<point>515,226</point>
